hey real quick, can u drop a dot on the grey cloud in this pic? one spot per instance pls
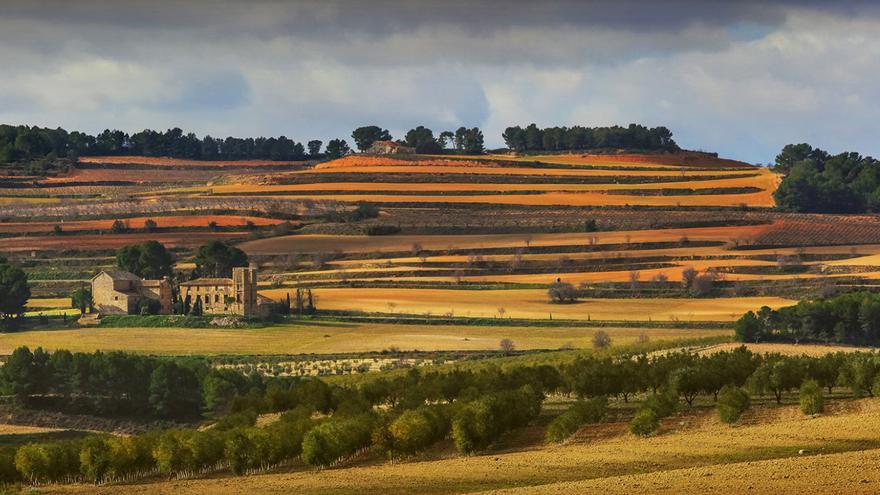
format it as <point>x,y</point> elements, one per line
<point>221,91</point>
<point>740,77</point>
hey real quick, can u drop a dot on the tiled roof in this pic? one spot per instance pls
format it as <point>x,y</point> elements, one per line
<point>207,281</point>
<point>122,275</point>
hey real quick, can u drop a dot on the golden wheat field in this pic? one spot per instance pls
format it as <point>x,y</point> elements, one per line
<point>692,453</point>
<point>530,304</point>
<point>330,338</point>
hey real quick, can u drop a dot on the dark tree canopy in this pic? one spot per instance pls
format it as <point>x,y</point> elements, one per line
<point>81,299</point>
<point>637,137</point>
<point>217,259</point>
<point>422,139</point>
<point>816,181</point>
<point>469,140</point>
<point>314,147</point>
<point>364,137</point>
<point>337,148</point>
<point>852,318</point>
<point>148,260</point>
<point>14,290</point>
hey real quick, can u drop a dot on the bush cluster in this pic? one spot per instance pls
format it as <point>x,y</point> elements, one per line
<point>732,403</point>
<point>580,413</point>
<point>482,421</point>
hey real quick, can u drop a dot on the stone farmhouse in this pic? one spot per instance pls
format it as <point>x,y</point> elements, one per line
<point>390,148</point>
<point>120,293</point>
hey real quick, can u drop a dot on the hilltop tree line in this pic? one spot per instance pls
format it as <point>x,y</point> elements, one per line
<point>406,414</point>
<point>635,136</point>
<point>44,146</point>
<point>18,143</point>
<point>852,318</point>
<point>816,181</point>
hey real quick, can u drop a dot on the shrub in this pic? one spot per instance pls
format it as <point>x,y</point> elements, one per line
<point>415,430</point>
<point>381,229</point>
<point>732,403</point>
<point>562,292</point>
<point>601,339</point>
<point>364,211</point>
<point>248,448</point>
<point>118,227</point>
<point>95,459</point>
<point>645,422</point>
<point>580,413</point>
<point>481,422</point>
<point>335,439</point>
<point>875,389</point>
<point>662,403</point>
<point>811,398</point>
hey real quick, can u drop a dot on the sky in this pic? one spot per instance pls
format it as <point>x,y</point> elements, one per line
<point>742,78</point>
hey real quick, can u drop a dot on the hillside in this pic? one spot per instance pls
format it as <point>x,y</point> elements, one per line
<point>692,454</point>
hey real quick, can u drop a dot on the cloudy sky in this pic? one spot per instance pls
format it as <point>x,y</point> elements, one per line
<point>742,78</point>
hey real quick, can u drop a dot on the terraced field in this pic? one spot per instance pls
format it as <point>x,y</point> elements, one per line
<point>643,184</point>
<point>516,222</point>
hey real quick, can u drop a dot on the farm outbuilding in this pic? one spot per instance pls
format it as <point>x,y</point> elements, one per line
<point>117,292</point>
<point>390,148</point>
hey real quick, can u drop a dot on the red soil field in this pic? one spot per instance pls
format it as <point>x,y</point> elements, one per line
<point>113,241</point>
<point>134,175</point>
<point>176,162</point>
<point>138,222</point>
<point>375,161</point>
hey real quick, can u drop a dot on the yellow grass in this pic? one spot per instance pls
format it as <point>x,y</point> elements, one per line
<point>531,304</point>
<point>328,338</point>
<point>691,455</point>
<point>18,201</point>
<point>49,302</point>
<point>24,430</point>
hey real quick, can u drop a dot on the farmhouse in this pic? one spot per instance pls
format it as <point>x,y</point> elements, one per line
<point>236,295</point>
<point>120,293</point>
<point>117,292</point>
<point>390,148</point>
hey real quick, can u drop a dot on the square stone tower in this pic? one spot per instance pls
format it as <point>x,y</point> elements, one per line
<point>244,289</point>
